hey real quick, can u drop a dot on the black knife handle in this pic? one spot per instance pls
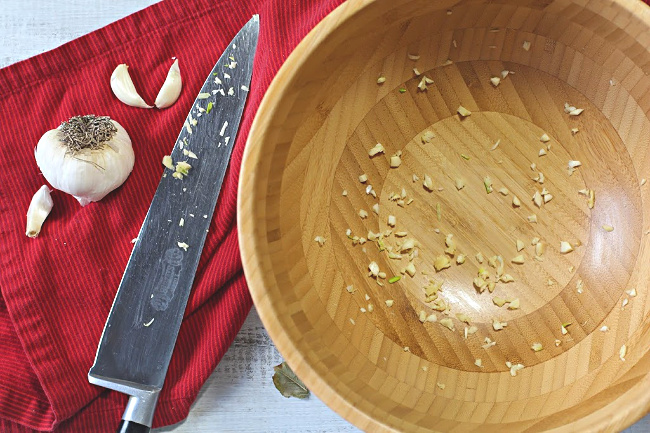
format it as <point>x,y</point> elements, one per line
<point>132,427</point>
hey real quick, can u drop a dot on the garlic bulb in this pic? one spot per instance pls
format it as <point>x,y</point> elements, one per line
<point>87,156</point>
<point>39,209</point>
<point>171,88</point>
<point>123,87</point>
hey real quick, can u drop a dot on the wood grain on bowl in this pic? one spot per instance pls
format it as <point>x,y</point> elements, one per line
<point>381,367</point>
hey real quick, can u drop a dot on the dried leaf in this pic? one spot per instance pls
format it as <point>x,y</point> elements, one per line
<point>286,381</point>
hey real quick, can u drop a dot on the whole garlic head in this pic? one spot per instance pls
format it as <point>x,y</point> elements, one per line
<point>87,157</point>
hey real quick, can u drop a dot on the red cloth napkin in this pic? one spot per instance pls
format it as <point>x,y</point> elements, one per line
<point>57,289</point>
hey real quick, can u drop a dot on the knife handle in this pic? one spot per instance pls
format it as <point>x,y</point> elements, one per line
<point>132,427</point>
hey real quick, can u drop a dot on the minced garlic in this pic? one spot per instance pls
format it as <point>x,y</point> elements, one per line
<point>499,302</point>
<point>487,182</point>
<point>498,325</point>
<point>565,247</point>
<point>441,262</point>
<point>428,183</point>
<point>622,352</point>
<point>463,112</point>
<point>514,368</point>
<point>488,343</point>
<point>378,148</point>
<point>518,260</point>
<point>427,136</point>
<point>447,323</point>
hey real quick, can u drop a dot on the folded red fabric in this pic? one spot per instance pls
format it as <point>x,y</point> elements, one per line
<point>57,289</point>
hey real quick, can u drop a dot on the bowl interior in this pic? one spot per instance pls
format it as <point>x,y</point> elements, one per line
<point>426,352</point>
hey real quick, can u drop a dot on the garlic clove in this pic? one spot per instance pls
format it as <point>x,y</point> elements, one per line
<point>39,209</point>
<point>171,88</point>
<point>123,88</point>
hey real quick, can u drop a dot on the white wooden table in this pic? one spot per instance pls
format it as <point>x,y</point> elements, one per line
<point>239,396</point>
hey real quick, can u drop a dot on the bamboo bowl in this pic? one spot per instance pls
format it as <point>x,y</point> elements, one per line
<point>384,370</point>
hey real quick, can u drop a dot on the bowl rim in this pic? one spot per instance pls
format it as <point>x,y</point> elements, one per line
<point>617,415</point>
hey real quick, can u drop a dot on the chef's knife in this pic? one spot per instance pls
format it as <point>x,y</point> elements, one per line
<point>140,332</point>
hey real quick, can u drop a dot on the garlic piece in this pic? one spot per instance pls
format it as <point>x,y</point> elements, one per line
<point>171,88</point>
<point>520,245</point>
<point>572,166</point>
<point>565,247</point>
<point>441,262</point>
<point>123,88</point>
<point>378,148</point>
<point>428,183</point>
<point>463,112</point>
<point>87,157</point>
<point>39,209</point>
<point>519,260</point>
<point>427,136</point>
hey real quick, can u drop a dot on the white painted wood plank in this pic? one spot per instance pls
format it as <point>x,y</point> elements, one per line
<point>30,27</point>
<point>239,396</point>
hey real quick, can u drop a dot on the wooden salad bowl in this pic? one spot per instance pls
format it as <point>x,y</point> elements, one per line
<point>573,355</point>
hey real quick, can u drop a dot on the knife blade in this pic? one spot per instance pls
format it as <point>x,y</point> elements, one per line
<point>140,333</point>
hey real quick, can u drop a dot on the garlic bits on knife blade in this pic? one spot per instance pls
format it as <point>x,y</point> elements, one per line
<point>87,157</point>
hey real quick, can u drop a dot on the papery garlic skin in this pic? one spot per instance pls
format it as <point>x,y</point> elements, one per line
<point>89,175</point>
<point>171,88</point>
<point>123,88</point>
<point>39,209</point>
